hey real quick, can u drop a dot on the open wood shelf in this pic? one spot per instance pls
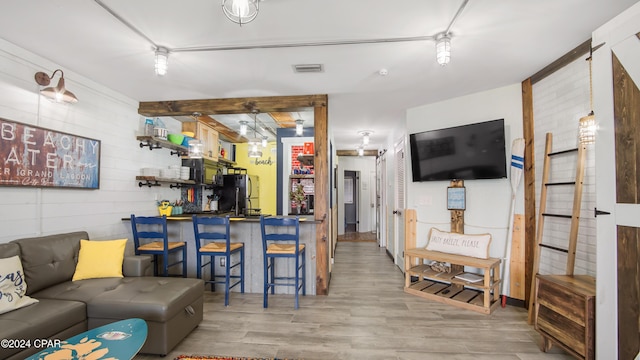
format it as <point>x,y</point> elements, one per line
<point>421,280</point>
<point>155,181</point>
<point>158,143</point>
<point>306,159</point>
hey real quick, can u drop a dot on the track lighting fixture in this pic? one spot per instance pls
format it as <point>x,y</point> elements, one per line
<point>58,93</point>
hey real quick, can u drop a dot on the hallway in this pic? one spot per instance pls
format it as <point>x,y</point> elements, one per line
<point>365,316</point>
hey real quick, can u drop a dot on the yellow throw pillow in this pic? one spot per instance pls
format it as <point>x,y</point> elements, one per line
<point>100,259</point>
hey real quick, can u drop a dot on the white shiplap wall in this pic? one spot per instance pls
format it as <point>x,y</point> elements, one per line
<point>100,114</point>
<point>559,101</point>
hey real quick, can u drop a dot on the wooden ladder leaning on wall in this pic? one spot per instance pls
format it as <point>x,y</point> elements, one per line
<point>542,214</point>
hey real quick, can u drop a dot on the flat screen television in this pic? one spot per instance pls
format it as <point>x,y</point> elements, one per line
<point>467,152</point>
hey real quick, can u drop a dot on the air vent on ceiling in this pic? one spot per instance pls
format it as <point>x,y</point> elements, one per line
<point>308,68</point>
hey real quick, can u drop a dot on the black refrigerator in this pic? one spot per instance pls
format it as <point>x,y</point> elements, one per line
<point>240,194</point>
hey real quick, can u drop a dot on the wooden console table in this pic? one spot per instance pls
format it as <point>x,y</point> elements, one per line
<point>482,296</point>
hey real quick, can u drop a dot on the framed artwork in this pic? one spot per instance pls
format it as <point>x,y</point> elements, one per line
<point>456,198</point>
<point>33,156</point>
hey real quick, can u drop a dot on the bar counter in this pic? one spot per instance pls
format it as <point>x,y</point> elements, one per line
<point>247,230</point>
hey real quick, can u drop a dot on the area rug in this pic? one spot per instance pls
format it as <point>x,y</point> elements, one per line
<point>196,357</point>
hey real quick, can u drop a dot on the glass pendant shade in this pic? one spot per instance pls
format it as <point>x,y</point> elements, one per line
<point>162,61</point>
<point>243,128</point>
<point>254,149</point>
<point>443,49</point>
<point>587,129</point>
<point>195,149</point>
<point>241,11</point>
<point>299,128</point>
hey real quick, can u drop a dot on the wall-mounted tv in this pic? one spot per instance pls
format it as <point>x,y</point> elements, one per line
<point>467,152</point>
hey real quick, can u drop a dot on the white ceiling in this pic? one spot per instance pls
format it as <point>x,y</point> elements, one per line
<point>494,43</point>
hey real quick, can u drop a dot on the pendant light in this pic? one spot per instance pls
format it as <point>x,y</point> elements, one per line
<point>443,48</point>
<point>243,127</point>
<point>299,128</point>
<point>162,61</point>
<point>196,148</point>
<point>587,125</point>
<point>241,11</point>
<point>254,144</point>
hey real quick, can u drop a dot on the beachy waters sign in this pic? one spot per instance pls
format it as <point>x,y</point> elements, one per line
<point>38,157</point>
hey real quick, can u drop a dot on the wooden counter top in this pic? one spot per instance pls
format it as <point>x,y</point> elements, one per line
<point>250,219</point>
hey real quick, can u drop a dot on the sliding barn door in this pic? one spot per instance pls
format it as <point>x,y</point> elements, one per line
<point>617,110</point>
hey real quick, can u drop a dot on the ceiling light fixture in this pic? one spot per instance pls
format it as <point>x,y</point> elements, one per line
<point>365,136</point>
<point>360,151</point>
<point>299,128</point>
<point>264,142</point>
<point>240,11</point>
<point>254,144</point>
<point>443,48</point>
<point>243,127</point>
<point>162,60</point>
<point>58,93</point>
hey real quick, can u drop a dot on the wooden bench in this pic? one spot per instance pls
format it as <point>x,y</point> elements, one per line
<point>423,281</point>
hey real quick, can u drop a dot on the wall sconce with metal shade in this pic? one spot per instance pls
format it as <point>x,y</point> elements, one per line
<point>59,93</point>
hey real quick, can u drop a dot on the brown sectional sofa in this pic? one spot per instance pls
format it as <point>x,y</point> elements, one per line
<point>172,307</point>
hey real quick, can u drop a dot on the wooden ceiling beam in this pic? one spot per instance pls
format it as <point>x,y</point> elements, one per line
<point>355,153</point>
<point>231,105</point>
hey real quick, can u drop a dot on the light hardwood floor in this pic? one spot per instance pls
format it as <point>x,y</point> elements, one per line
<point>365,316</point>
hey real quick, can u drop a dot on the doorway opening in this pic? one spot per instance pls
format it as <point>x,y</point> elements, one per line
<point>351,186</point>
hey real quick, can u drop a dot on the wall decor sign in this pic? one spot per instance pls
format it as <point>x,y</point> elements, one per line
<point>37,157</point>
<point>456,198</point>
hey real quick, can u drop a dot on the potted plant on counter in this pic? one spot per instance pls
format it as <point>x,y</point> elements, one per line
<point>297,195</point>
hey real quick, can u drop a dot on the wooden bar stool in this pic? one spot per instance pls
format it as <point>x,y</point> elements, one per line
<point>278,241</point>
<point>213,239</point>
<point>150,237</point>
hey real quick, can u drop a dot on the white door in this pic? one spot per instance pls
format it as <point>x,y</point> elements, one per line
<point>382,200</point>
<point>616,326</point>
<point>398,219</point>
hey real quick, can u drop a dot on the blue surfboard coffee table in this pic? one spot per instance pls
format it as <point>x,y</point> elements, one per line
<point>119,340</point>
